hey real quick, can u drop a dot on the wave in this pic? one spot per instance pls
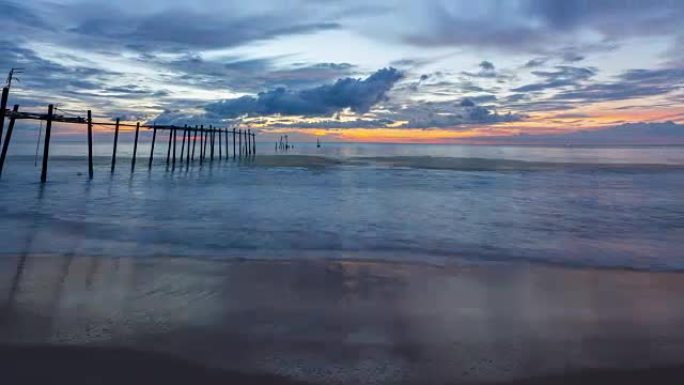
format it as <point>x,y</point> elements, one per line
<point>473,164</point>
<point>454,164</point>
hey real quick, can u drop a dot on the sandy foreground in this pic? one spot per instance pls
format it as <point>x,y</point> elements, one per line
<point>176,320</point>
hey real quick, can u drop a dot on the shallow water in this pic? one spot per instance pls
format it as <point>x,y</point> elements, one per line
<point>584,206</point>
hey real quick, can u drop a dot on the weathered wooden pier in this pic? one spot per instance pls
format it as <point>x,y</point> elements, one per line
<point>214,142</point>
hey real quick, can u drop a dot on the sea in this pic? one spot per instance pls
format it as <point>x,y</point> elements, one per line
<point>596,207</point>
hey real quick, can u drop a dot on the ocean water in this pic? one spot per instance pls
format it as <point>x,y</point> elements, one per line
<point>438,204</point>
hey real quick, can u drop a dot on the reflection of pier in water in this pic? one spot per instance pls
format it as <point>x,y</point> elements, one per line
<point>214,142</point>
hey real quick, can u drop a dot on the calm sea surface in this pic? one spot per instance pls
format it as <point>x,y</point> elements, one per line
<point>580,206</point>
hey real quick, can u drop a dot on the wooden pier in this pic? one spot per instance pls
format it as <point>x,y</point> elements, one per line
<point>209,139</point>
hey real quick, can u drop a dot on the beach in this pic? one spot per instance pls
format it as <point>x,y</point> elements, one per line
<point>345,322</point>
<point>351,264</point>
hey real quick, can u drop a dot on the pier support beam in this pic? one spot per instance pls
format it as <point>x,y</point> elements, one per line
<point>175,139</point>
<point>154,139</point>
<point>46,145</point>
<point>168,150</point>
<point>8,138</point>
<point>212,135</point>
<point>219,143</point>
<point>135,146</point>
<point>116,140</point>
<point>90,144</point>
<point>205,134</point>
<point>187,152</point>
<point>3,108</point>
<point>185,134</point>
<point>225,136</point>
<point>194,143</point>
<point>233,142</point>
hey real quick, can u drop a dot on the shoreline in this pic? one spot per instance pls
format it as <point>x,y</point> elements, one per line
<point>345,322</point>
<point>382,258</point>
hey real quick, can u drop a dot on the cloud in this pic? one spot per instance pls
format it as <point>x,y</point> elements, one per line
<point>356,94</point>
<point>248,75</point>
<point>631,84</point>
<point>572,57</point>
<point>562,76</point>
<point>537,26</point>
<point>629,133</point>
<point>538,62</point>
<point>451,114</point>
<point>487,70</point>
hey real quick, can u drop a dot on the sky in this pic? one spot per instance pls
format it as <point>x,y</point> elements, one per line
<point>354,70</point>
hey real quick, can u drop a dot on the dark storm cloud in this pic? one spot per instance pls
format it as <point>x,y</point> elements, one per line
<point>355,94</point>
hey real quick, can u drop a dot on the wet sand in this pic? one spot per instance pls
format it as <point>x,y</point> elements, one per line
<point>336,322</point>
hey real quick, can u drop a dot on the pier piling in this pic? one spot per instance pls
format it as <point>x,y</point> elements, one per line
<point>3,108</point>
<point>168,150</point>
<point>8,138</point>
<point>90,144</point>
<point>175,139</point>
<point>46,145</point>
<point>219,143</point>
<point>154,139</point>
<point>135,146</point>
<point>116,140</point>
<point>211,146</point>
<point>185,134</point>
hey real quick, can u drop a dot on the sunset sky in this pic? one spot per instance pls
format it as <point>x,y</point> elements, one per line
<point>389,70</point>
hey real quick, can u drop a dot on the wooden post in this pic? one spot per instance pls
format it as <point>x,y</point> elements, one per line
<point>185,133</point>
<point>253,143</point>
<point>211,146</point>
<point>168,150</point>
<point>154,139</point>
<point>194,143</point>
<point>201,149</point>
<point>187,150</point>
<point>116,140</point>
<point>206,139</point>
<point>219,143</point>
<point>225,137</point>
<point>233,142</point>
<point>175,139</point>
<point>240,142</point>
<point>46,145</point>
<point>249,136</point>
<point>135,146</point>
<point>90,144</point>
<point>3,108</point>
<point>8,137</point>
